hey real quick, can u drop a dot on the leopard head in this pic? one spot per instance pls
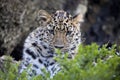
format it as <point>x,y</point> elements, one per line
<point>64,28</point>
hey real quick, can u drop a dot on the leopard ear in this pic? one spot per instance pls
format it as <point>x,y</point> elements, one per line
<point>77,21</point>
<point>43,16</point>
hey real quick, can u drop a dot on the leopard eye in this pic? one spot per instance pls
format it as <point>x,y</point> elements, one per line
<point>65,17</point>
<point>51,31</point>
<point>69,32</point>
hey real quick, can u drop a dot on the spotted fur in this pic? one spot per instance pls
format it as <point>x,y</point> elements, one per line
<point>59,30</point>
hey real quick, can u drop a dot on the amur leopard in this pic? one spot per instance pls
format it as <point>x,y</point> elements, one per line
<point>59,30</point>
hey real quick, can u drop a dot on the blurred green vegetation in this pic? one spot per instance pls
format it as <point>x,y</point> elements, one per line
<point>91,63</point>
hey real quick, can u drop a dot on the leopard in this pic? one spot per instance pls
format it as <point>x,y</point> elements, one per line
<point>59,30</point>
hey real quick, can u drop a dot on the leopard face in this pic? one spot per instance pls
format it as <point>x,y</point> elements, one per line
<point>64,31</point>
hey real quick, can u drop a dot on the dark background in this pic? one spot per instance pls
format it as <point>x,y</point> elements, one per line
<point>18,19</point>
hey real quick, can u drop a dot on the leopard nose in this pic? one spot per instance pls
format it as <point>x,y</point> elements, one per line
<point>59,47</point>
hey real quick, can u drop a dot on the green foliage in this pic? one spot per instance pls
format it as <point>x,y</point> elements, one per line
<point>10,70</point>
<point>91,63</point>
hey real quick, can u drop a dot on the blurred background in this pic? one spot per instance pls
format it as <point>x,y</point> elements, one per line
<point>18,18</point>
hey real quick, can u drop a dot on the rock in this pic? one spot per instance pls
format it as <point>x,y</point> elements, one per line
<point>18,19</point>
<point>102,22</point>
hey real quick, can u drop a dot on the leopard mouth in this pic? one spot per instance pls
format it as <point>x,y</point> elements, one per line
<point>59,47</point>
<point>63,50</point>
